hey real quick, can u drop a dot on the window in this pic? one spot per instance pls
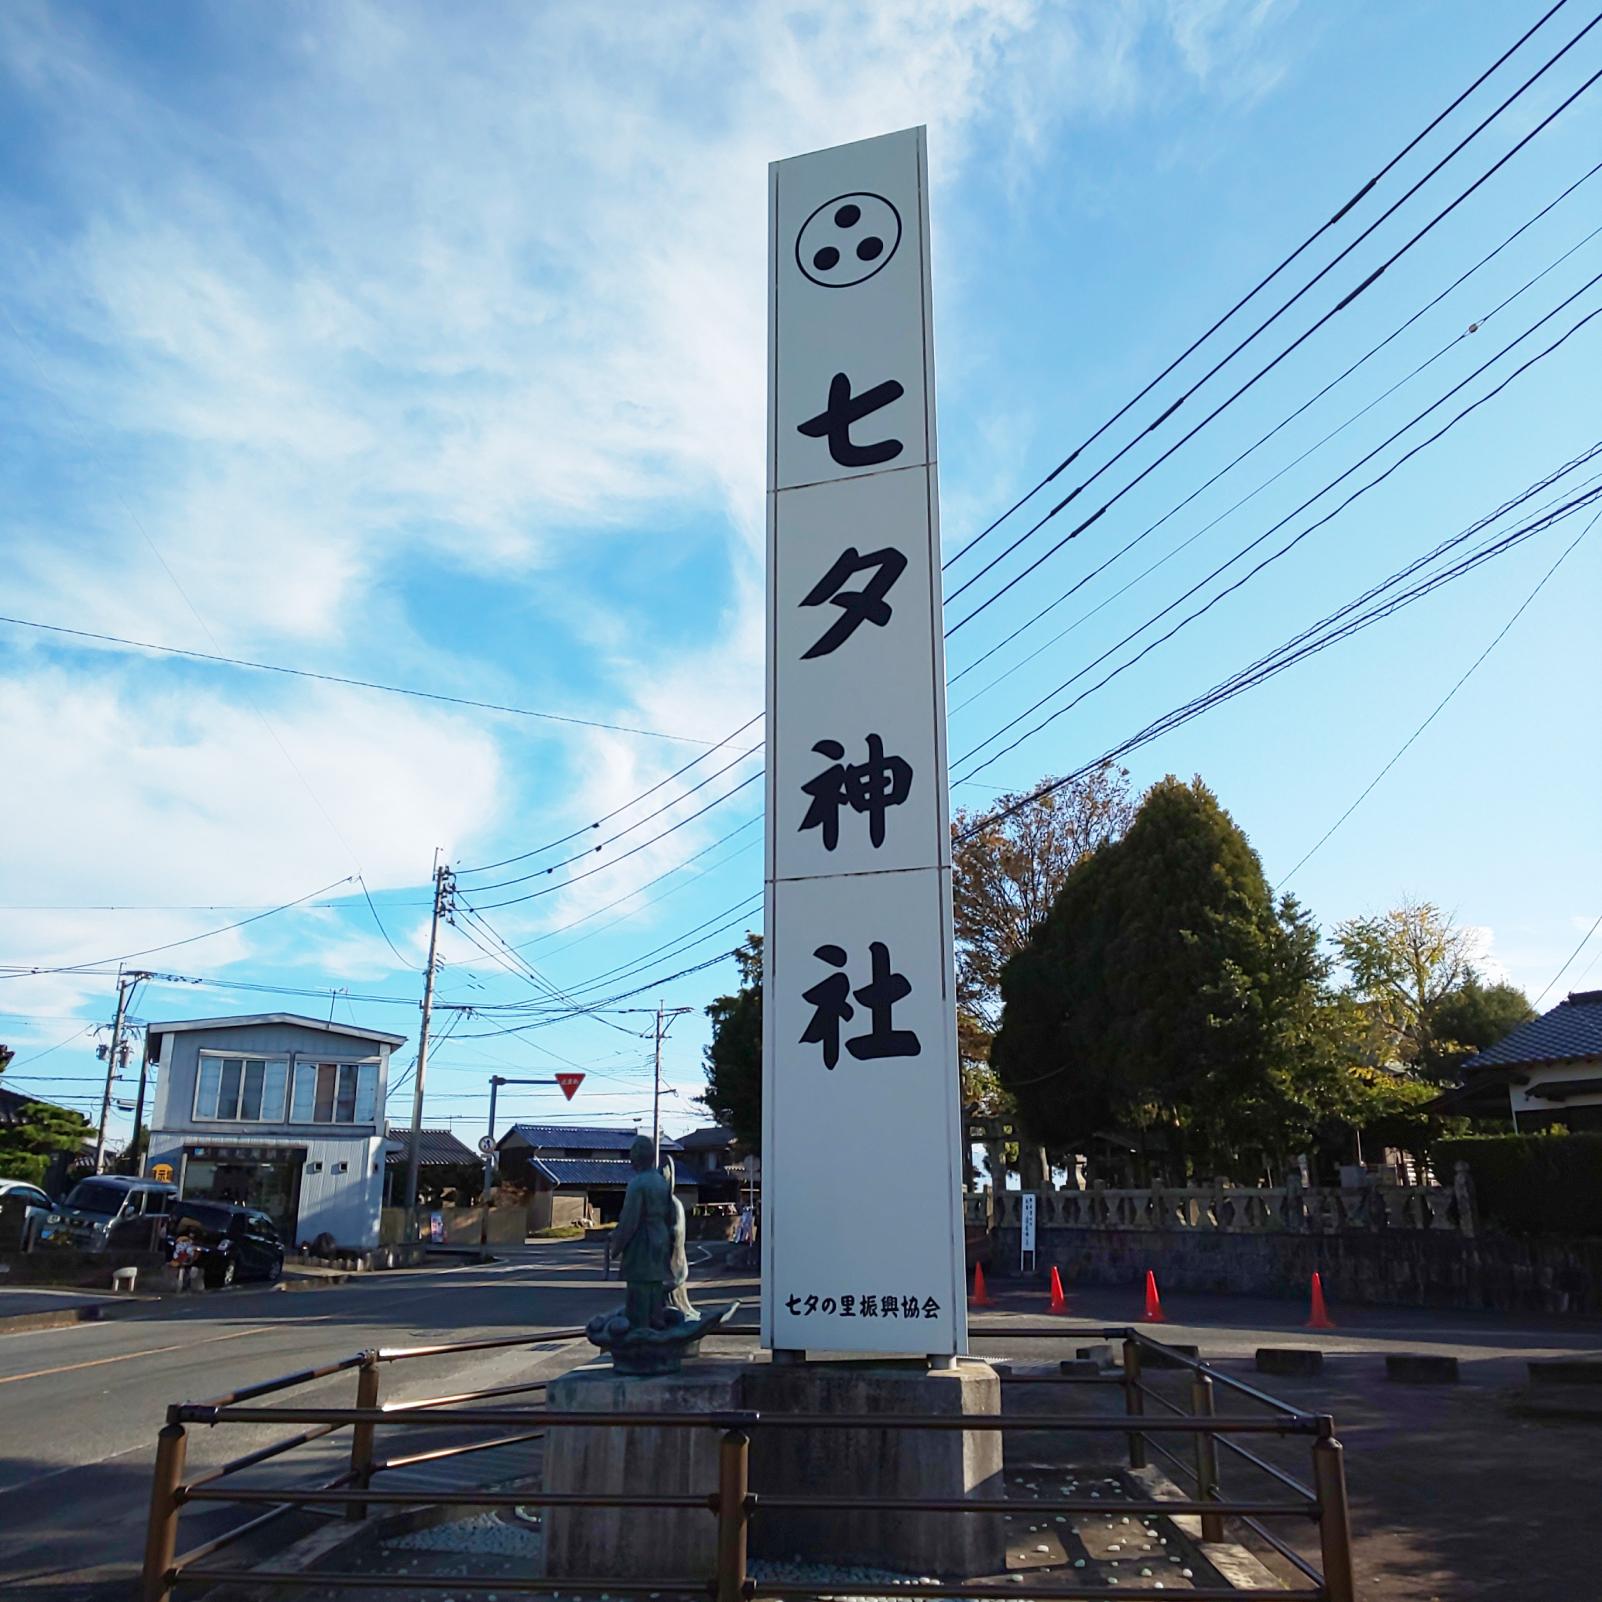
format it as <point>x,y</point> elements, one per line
<point>335,1093</point>
<point>241,1089</point>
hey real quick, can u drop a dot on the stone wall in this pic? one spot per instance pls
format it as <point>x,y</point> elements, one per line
<point>1403,1267</point>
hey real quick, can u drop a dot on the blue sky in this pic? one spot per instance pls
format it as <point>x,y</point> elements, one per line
<point>425,345</point>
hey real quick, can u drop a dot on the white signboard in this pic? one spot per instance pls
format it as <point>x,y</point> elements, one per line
<point>862,1229</point>
<point>1026,1218</point>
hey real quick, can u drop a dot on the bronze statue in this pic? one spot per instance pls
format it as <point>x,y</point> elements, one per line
<point>657,1323</point>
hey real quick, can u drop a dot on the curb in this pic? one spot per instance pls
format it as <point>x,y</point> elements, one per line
<point>154,1306</point>
<point>64,1318</point>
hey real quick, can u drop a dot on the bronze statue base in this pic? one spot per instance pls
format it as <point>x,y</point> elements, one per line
<point>659,1348</point>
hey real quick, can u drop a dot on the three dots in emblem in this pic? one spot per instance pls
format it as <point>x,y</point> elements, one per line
<point>848,239</point>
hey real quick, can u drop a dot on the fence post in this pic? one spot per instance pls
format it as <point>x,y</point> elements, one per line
<point>1334,1520</point>
<point>361,1435</point>
<point>1201,1404</point>
<point>161,1534</point>
<point>734,1469</point>
<point>1134,1402</point>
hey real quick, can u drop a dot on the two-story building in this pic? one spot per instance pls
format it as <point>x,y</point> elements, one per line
<point>279,1112</point>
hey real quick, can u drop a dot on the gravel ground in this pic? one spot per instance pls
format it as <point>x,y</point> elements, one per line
<point>1100,1550</point>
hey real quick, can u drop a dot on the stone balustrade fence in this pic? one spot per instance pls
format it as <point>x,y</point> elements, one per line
<point>1230,1209</point>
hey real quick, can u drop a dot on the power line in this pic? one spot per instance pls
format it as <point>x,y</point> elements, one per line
<point>1572,955</point>
<point>1298,538</point>
<point>534,895</point>
<point>402,960</point>
<point>1258,287</point>
<point>1473,327</point>
<point>360,684</point>
<point>606,817</point>
<point>1440,707</point>
<point>678,945</point>
<point>1308,643</point>
<point>1340,306</point>
<point>171,945</point>
<point>750,845</point>
<point>1263,371</point>
<point>667,806</point>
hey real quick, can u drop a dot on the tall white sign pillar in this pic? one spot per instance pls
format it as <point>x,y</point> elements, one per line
<point>862,1243</point>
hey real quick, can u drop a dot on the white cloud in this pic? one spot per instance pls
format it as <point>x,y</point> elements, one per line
<point>484,287</point>
<point>174,797</point>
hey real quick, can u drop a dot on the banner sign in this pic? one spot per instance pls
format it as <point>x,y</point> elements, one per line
<point>862,1230</point>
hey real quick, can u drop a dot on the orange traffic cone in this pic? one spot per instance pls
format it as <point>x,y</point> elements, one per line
<point>1059,1302</point>
<point>1154,1307</point>
<point>979,1297</point>
<point>1318,1316</point>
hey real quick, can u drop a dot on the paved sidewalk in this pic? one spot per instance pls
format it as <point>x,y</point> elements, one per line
<point>1456,1494</point>
<point>15,1302</point>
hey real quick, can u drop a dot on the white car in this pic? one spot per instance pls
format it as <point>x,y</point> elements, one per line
<point>38,1206</point>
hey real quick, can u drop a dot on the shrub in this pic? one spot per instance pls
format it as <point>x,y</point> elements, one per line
<point>28,1166</point>
<point>1532,1184</point>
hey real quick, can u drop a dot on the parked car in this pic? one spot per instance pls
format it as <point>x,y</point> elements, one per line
<point>36,1206</point>
<point>229,1243</point>
<point>111,1211</point>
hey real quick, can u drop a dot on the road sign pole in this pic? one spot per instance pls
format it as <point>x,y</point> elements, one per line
<point>489,1170</point>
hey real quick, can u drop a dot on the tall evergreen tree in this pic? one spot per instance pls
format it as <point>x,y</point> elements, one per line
<point>734,1056</point>
<point>1157,997</point>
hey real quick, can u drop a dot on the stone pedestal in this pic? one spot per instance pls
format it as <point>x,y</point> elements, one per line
<point>667,1544</point>
<point>869,1462</point>
<point>635,1543</point>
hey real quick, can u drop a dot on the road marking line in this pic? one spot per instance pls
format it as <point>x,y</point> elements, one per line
<point>123,1357</point>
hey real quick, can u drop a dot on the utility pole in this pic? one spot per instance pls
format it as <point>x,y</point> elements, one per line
<point>139,1104</point>
<point>656,1094</point>
<point>664,1019</point>
<point>443,884</point>
<point>124,986</point>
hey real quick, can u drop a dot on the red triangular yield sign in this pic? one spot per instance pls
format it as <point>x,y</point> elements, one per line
<point>569,1083</point>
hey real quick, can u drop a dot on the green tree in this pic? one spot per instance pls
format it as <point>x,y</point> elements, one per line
<point>1005,877</point>
<point>1469,1019</point>
<point>1161,995</point>
<point>1404,963</point>
<point>734,1057</point>
<point>42,1129</point>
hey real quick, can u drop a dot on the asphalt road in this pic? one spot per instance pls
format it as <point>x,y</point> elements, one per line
<point>80,1407</point>
<point>1453,1492</point>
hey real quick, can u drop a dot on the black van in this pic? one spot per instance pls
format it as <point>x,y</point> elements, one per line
<point>112,1211</point>
<point>229,1243</point>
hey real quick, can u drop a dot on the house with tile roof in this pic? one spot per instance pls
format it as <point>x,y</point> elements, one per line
<point>1548,1071</point>
<point>583,1160</point>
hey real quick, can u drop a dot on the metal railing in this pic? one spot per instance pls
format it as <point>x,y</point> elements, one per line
<point>732,1503</point>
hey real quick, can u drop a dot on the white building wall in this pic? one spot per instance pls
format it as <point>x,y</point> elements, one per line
<point>345,1205</point>
<point>1524,1101</point>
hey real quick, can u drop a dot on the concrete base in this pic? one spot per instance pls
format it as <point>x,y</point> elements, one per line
<point>898,1463</point>
<point>1420,1368</point>
<point>1293,1360</point>
<point>635,1543</point>
<point>676,1544</point>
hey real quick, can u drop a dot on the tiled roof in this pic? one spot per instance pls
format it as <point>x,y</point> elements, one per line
<point>438,1146</point>
<point>1570,1032</point>
<point>574,1137</point>
<point>582,1171</point>
<point>14,1105</point>
<point>714,1137</point>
